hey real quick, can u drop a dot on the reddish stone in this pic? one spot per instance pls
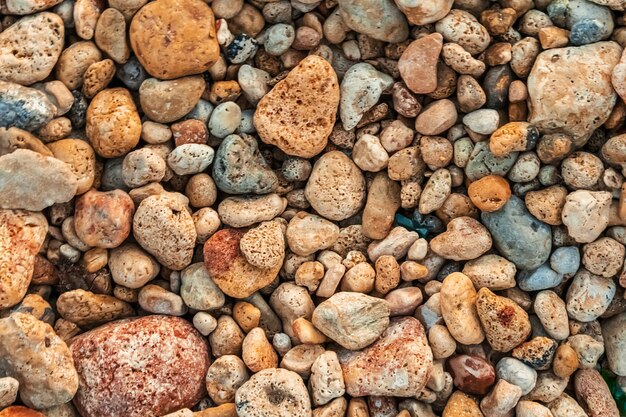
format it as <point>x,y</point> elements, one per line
<point>190,131</point>
<point>139,367</point>
<point>19,411</point>
<point>471,374</point>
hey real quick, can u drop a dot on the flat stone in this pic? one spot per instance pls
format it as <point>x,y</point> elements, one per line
<point>167,101</point>
<point>418,63</point>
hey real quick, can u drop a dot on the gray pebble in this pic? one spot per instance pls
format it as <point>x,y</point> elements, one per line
<point>539,279</point>
<point>565,260</point>
<point>225,119</point>
<point>23,107</point>
<point>278,39</point>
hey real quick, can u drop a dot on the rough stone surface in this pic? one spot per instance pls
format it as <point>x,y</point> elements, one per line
<point>23,107</point>
<point>506,324</point>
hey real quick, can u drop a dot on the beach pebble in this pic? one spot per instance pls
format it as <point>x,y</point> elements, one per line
<point>143,166</point>
<point>436,118</point>
<point>418,63</point>
<point>326,379</point>
<point>308,233</point>
<point>594,394</point>
<point>369,155</point>
<point>462,28</point>
<point>613,331</point>
<point>460,404</point>
<point>471,374</point>
<point>551,311</point>
<point>491,271</point>
<point>603,257</point>
<point>264,246</point>
<point>588,296</point>
<point>198,290</point>
<point>517,373</point>
<point>586,214</point>
<point>24,107</point>
<point>190,158</point>
<point>224,377</point>
<point>464,239</point>
<point>246,211</point>
<point>80,158</point>
<point>110,35</point>
<point>458,309</point>
<point>501,400</point>
<point>587,21</point>
<point>138,347</point>
<point>397,364</point>
<point>132,267</point>
<point>378,19</point>
<point>167,101</point>
<point>257,352</point>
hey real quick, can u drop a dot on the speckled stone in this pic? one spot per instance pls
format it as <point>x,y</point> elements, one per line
<point>23,107</point>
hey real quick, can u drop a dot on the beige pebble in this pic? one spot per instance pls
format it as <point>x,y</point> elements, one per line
<point>257,351</point>
<point>458,299</point>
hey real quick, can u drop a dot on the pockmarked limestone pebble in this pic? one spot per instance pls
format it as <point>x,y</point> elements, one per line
<point>30,48</point>
<point>378,19</point>
<point>273,392</point>
<point>174,38</point>
<point>164,361</point>
<point>164,228</point>
<point>131,266</point>
<point>80,158</point>
<point>32,181</point>
<point>398,364</point>
<point>336,186</point>
<point>33,354</point>
<point>103,219</point>
<point>464,239</point>
<point>113,124</point>
<point>298,114</point>
<point>586,214</point>
<point>353,320</point>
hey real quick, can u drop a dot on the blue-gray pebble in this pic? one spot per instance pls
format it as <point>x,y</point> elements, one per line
<point>23,107</point>
<point>239,167</point>
<point>588,22</point>
<point>539,279</point>
<point>565,260</point>
<point>519,237</point>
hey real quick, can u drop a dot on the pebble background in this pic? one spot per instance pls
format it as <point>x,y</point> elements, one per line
<point>312,208</point>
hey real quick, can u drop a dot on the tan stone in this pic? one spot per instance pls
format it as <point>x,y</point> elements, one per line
<point>464,239</point>
<point>489,193</point>
<point>113,124</point>
<point>299,113</point>
<point>110,35</point>
<point>74,61</point>
<point>79,157</point>
<point>383,200</point>
<point>458,309</point>
<point>103,218</point>
<point>257,352</point>
<point>418,63</point>
<point>166,101</point>
<point>174,38</point>
<point>87,309</point>
<point>461,405</point>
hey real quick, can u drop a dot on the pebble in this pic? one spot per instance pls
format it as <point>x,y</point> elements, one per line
<point>614,339</point>
<point>483,162</point>
<point>513,137</point>
<point>505,323</point>
<point>587,22</point>
<point>471,374</point>
<point>24,107</point>
<point>514,220</point>
<point>157,300</point>
<point>461,405</point>
<point>484,121</point>
<point>273,392</point>
<point>224,119</point>
<point>586,214</point>
<point>326,379</point>
<point>547,204</point>
<point>517,373</point>
<point>308,233</point>
<point>237,155</point>
<point>489,193</point>
<point>298,114</point>
<point>383,200</point>
<point>110,35</point>
<point>264,246</point>
<point>538,279</point>
<point>551,311</point>
<point>164,228</point>
<point>603,257</point>
<point>113,124</point>
<point>594,394</point>
<point>30,47</point>
<point>462,28</point>
<point>164,361</point>
<point>360,90</point>
<point>103,219</point>
<point>537,352</point>
<point>377,19</point>
<point>167,101</point>
<point>532,409</point>
<point>566,406</point>
<point>80,158</point>
<point>491,271</point>
<point>190,158</point>
<point>436,118</point>
<point>464,239</point>
<point>396,244</point>
<point>143,166</point>
<point>565,362</point>
<point>352,320</point>
<point>87,309</point>
<point>224,377</point>
<point>397,364</point>
<point>436,191</point>
<point>501,400</point>
<point>49,180</point>
<point>132,267</point>
<point>230,270</point>
<point>588,296</point>
<point>168,23</point>
<point>198,290</point>
<point>246,211</point>
<point>369,155</point>
<point>336,187</point>
<point>8,391</point>
<point>38,358</point>
<point>588,350</point>
<point>418,63</point>
<point>458,309</point>
<point>257,352</point>
<point>590,68</point>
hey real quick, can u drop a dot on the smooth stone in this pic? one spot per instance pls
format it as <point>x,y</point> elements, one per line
<point>423,12</point>
<point>23,107</point>
<point>471,374</point>
<point>511,222</point>
<point>465,239</point>
<point>32,181</point>
<point>587,22</point>
<point>418,63</point>
<point>517,373</point>
<point>353,320</point>
<point>565,260</point>
<point>379,19</point>
<point>198,290</point>
<point>264,245</point>
<point>81,159</point>
<point>308,233</point>
<point>491,271</point>
<point>461,405</point>
<point>14,138</point>
<point>30,47</point>
<point>174,38</point>
<point>164,361</point>
<point>361,88</point>
<point>167,101</point>
<point>110,35</point>
<point>586,214</point>
<point>24,7</point>
<point>383,200</point>
<point>576,109</point>
<point>239,167</point>
<point>299,113</point>
<point>246,211</point>
<point>483,162</point>
<point>458,309</point>
<point>461,27</point>
<point>21,237</point>
<point>398,364</point>
<point>336,187</point>
<point>589,296</point>
<point>538,279</point>
<point>40,360</point>
<point>190,158</point>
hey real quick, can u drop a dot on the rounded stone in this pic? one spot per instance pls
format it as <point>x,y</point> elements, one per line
<point>167,101</point>
<point>103,219</point>
<point>336,186</point>
<point>132,267</point>
<point>80,158</point>
<point>164,361</point>
<point>113,124</point>
<point>174,38</point>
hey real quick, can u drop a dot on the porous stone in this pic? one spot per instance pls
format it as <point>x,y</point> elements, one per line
<point>298,114</point>
<point>464,239</point>
<point>174,38</point>
<point>586,214</point>
<point>163,358</point>
<point>308,233</point>
<point>80,158</point>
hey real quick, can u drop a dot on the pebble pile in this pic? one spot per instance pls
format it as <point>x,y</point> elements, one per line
<point>312,208</point>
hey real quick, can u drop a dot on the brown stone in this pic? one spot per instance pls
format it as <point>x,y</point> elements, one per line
<point>103,219</point>
<point>299,113</point>
<point>594,395</point>
<point>174,38</point>
<point>418,63</point>
<point>489,193</point>
<point>19,411</point>
<point>471,374</point>
<point>461,405</point>
<point>383,200</point>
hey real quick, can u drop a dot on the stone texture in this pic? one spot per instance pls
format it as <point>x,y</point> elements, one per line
<point>458,309</point>
<point>378,19</point>
<point>308,233</point>
<point>383,200</point>
<point>398,364</point>
<point>23,107</point>
<point>506,324</point>
<point>167,101</point>
<point>32,181</point>
<point>299,113</point>
<point>230,269</point>
<point>418,63</point>
<point>586,214</point>
<point>80,158</point>
<point>559,106</point>
<point>353,320</point>
<point>33,354</point>
<point>174,38</point>
<point>464,239</point>
<point>151,365</point>
<point>593,393</point>
<point>103,219</point>
<point>30,48</point>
